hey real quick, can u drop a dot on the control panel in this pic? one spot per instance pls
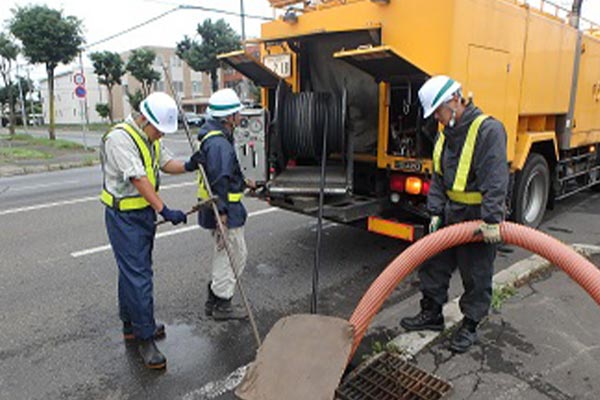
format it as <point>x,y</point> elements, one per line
<point>250,143</point>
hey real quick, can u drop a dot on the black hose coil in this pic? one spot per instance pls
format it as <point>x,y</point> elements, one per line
<point>303,124</point>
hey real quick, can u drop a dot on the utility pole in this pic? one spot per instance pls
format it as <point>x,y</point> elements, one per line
<point>23,113</point>
<point>243,15</point>
<point>31,109</point>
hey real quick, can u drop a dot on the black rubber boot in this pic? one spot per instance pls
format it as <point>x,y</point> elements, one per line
<point>464,337</point>
<point>159,332</point>
<point>211,300</point>
<point>430,317</point>
<point>224,310</point>
<point>152,357</point>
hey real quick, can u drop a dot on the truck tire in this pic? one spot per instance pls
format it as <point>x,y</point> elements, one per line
<point>530,195</point>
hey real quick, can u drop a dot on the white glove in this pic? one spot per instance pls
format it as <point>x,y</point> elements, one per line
<point>435,223</point>
<point>490,232</point>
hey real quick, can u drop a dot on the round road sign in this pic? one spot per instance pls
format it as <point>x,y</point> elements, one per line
<point>80,92</point>
<point>79,79</point>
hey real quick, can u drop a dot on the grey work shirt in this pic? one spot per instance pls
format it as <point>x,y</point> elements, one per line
<point>121,160</point>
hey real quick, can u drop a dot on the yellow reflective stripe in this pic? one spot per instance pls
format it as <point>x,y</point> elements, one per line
<point>466,156</point>
<point>150,165</point>
<point>437,154</point>
<point>208,135</point>
<point>469,198</point>
<point>202,192</point>
<point>234,197</point>
<point>106,198</point>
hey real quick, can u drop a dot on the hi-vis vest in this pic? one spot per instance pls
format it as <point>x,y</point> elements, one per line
<point>457,193</point>
<point>150,165</point>
<point>202,191</point>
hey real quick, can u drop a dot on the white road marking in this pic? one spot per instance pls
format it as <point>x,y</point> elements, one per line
<point>43,185</point>
<point>172,232</point>
<point>218,388</point>
<point>80,200</point>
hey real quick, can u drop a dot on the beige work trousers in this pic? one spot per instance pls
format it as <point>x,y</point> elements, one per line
<point>223,279</point>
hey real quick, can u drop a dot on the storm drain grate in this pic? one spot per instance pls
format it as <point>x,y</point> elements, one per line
<point>389,377</point>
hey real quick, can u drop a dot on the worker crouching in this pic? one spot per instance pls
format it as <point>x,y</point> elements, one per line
<point>469,182</point>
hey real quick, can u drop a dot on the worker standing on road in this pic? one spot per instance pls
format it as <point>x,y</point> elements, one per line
<point>216,153</point>
<point>132,155</point>
<point>470,182</point>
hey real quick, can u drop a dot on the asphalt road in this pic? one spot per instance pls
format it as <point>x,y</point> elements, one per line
<point>59,328</point>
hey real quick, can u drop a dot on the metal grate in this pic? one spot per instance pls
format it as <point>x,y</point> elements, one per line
<point>389,377</point>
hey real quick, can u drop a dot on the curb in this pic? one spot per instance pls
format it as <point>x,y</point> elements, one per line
<point>12,170</point>
<point>409,344</point>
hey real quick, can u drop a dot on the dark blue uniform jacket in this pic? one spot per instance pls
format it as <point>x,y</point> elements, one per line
<point>224,175</point>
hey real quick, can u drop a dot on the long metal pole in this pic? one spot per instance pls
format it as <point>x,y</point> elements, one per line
<point>220,226</point>
<point>23,113</point>
<point>243,16</point>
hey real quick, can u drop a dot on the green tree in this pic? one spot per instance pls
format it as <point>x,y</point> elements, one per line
<point>139,65</point>
<point>109,68</point>
<point>8,54</point>
<point>47,37</point>
<point>135,99</point>
<point>217,38</point>
<point>103,110</point>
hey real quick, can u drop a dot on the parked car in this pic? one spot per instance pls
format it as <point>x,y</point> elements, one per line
<point>193,119</point>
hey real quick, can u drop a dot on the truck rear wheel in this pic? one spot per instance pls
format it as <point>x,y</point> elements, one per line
<point>530,195</point>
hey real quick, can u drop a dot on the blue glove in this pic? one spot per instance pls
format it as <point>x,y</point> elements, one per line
<point>192,164</point>
<point>174,216</point>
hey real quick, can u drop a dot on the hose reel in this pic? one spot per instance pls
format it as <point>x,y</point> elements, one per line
<point>305,117</point>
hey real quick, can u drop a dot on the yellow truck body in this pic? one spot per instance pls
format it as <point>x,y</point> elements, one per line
<point>526,67</point>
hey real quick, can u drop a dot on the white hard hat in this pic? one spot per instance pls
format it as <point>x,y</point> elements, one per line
<point>161,111</point>
<point>435,92</point>
<point>224,102</point>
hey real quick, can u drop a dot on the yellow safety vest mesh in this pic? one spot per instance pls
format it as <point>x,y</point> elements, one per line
<point>150,165</point>
<point>458,194</point>
<point>202,191</point>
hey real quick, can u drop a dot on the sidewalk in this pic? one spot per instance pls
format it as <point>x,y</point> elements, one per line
<point>60,160</point>
<point>543,342</point>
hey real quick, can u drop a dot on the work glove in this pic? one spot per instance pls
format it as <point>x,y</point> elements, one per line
<point>435,223</point>
<point>490,232</point>
<point>173,216</point>
<point>192,164</point>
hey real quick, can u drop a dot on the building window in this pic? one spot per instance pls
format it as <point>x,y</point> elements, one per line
<point>158,60</point>
<point>74,112</point>
<point>196,87</point>
<point>178,85</point>
<point>175,61</point>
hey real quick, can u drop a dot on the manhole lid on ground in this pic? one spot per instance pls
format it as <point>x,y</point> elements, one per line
<point>389,377</point>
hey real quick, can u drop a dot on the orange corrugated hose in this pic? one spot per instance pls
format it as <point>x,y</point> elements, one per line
<point>576,266</point>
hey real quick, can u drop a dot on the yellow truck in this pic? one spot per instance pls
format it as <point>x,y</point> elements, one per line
<point>339,85</point>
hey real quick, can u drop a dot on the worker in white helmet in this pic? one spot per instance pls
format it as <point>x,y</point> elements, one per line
<point>132,155</point>
<point>470,182</point>
<point>217,155</point>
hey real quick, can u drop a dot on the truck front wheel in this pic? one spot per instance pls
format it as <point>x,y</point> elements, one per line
<point>530,195</point>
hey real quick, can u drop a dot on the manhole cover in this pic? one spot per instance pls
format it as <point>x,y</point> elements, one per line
<point>389,377</point>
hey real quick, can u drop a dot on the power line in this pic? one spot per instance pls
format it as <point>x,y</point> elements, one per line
<point>172,10</point>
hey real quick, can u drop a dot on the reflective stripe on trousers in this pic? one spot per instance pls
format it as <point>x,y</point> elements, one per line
<point>131,236</point>
<point>223,279</point>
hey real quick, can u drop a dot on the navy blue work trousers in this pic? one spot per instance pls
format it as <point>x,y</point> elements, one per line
<point>475,262</point>
<point>131,235</point>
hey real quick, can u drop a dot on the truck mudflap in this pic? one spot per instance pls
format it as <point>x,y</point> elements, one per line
<point>399,230</point>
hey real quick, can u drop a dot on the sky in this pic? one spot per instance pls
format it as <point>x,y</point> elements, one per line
<point>104,18</point>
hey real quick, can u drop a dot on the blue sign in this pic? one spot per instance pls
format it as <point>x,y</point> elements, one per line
<point>80,92</point>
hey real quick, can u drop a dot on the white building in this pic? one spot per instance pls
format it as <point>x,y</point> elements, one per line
<point>70,109</point>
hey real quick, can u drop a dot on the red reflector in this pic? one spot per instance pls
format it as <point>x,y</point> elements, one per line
<point>397,183</point>
<point>425,189</point>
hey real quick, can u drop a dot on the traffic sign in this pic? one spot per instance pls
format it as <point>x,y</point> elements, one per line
<point>79,79</point>
<point>80,92</point>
